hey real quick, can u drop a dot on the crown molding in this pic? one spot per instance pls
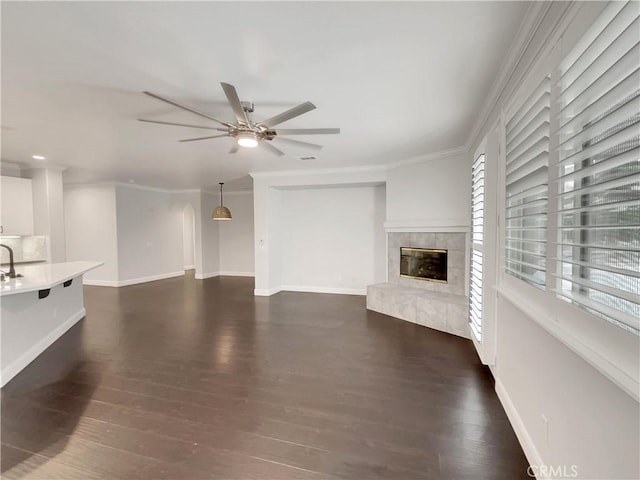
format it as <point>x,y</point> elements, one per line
<point>135,186</point>
<point>186,190</point>
<point>25,167</point>
<point>90,184</point>
<point>451,152</point>
<point>530,25</point>
<point>506,81</point>
<point>319,171</point>
<point>238,192</point>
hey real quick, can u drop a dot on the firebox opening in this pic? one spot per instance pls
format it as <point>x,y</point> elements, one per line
<point>423,264</point>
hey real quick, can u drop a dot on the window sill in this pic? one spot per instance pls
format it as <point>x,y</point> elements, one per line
<point>610,369</point>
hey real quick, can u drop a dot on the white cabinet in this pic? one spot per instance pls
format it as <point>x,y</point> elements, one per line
<point>17,206</point>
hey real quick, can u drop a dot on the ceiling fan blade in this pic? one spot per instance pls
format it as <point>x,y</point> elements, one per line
<point>271,148</point>
<point>288,115</point>
<point>188,109</point>
<point>204,138</point>
<point>290,141</point>
<point>234,147</point>
<point>182,125</point>
<point>307,131</point>
<point>234,102</point>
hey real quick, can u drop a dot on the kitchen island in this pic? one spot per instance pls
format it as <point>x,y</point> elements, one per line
<point>37,309</point>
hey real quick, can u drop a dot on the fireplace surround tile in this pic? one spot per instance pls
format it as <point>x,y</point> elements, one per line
<point>450,241</point>
<point>442,306</point>
<point>456,258</point>
<point>453,242</point>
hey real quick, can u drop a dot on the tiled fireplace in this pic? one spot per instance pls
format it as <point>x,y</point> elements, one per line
<point>435,304</point>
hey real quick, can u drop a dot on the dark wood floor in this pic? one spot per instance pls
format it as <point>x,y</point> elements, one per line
<point>187,379</point>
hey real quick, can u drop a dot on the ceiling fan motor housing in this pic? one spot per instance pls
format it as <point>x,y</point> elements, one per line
<point>247,106</point>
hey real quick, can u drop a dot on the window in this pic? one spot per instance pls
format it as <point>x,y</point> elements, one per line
<point>570,244</point>
<point>477,239</point>
<point>598,169</point>
<point>527,161</point>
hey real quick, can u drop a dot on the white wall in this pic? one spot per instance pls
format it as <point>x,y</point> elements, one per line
<point>592,423</point>
<point>209,241</point>
<point>330,237</point>
<point>139,234</point>
<point>136,231</point>
<point>379,235</point>
<point>433,192</point>
<point>91,229</point>
<point>149,234</point>
<point>274,236</point>
<point>271,191</point>
<point>188,237</point>
<point>236,236</point>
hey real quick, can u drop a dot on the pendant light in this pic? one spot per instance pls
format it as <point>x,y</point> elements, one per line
<point>221,212</point>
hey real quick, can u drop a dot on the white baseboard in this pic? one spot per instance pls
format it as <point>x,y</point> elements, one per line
<point>529,448</point>
<point>202,276</point>
<point>266,292</point>
<point>311,289</point>
<point>227,273</point>
<point>189,267</point>
<point>132,281</point>
<point>15,367</point>
<point>151,278</point>
<point>100,283</point>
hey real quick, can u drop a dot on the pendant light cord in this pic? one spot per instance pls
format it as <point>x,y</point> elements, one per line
<point>221,202</point>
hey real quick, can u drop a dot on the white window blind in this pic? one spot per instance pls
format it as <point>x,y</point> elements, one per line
<point>527,161</point>
<point>598,162</point>
<point>477,240</point>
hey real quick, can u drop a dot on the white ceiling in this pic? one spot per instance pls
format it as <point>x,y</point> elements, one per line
<point>399,79</point>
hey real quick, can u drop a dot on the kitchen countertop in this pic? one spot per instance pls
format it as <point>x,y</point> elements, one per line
<point>40,277</point>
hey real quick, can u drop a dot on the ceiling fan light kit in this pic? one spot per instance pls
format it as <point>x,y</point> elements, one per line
<point>246,131</point>
<point>221,212</point>
<point>247,139</point>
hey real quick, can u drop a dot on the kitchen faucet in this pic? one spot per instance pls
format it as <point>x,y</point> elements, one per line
<point>12,270</point>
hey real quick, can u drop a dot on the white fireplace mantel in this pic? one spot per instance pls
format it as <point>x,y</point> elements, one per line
<point>427,225</point>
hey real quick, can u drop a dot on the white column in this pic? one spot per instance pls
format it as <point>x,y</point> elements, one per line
<point>48,210</point>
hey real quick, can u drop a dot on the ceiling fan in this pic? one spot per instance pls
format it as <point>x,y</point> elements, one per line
<point>245,130</point>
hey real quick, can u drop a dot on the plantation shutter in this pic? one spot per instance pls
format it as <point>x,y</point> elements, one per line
<point>477,240</point>
<point>598,162</point>
<point>527,161</point>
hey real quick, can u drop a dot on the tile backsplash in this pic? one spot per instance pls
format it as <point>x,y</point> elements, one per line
<point>32,248</point>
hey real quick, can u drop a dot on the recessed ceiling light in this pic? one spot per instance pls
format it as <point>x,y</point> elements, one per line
<point>38,157</point>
